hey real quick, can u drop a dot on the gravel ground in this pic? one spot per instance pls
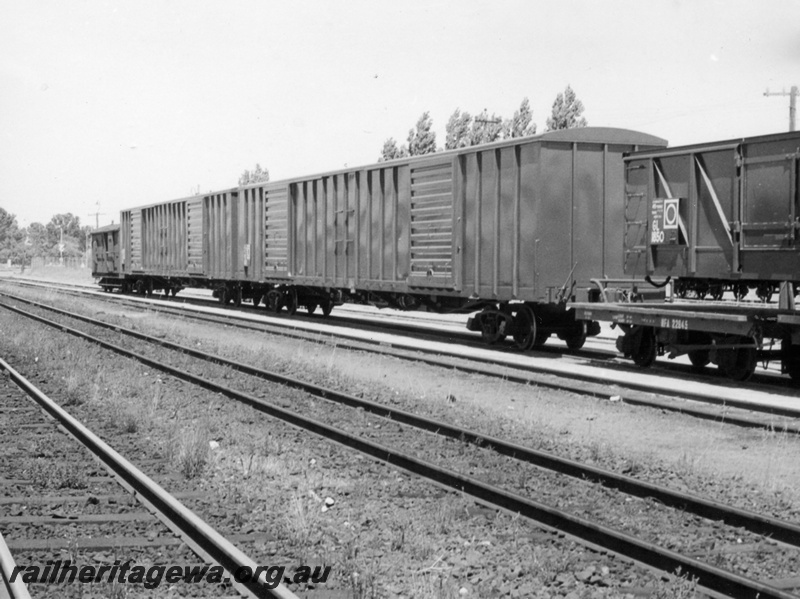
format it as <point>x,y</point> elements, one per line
<point>398,540</point>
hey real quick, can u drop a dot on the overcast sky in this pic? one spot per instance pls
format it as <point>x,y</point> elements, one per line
<point>119,104</point>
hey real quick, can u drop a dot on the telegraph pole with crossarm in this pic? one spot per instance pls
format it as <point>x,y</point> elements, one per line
<point>793,93</point>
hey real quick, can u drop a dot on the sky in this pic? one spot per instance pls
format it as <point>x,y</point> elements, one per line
<point>110,105</point>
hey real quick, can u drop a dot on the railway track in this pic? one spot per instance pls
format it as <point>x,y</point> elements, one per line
<point>97,503</point>
<point>600,350</point>
<point>633,387</point>
<point>589,531</point>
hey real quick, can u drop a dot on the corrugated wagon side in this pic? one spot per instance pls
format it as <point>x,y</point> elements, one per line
<point>519,226</point>
<point>162,246</point>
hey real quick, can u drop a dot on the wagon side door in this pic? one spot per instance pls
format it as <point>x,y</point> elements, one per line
<point>769,198</point>
<point>432,228</point>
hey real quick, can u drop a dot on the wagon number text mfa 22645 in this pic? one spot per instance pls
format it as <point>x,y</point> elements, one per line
<point>675,323</point>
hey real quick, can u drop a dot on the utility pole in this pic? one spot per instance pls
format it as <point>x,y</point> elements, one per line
<point>793,93</point>
<point>97,216</point>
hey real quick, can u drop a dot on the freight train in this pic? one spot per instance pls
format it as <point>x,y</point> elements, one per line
<point>537,236</point>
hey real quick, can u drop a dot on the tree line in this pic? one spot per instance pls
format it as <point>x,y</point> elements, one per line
<point>464,130</point>
<point>20,244</point>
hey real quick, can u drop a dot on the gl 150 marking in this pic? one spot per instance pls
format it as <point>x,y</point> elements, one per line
<point>675,323</point>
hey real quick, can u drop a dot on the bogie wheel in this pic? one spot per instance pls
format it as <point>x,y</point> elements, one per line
<point>237,297</point>
<point>493,327</point>
<point>274,301</point>
<point>327,307</point>
<point>740,290</point>
<point>257,299</point>
<point>699,357</point>
<point>541,338</point>
<point>524,329</point>
<point>576,340</point>
<point>223,296</point>
<point>716,291</point>
<point>701,289</point>
<point>311,308</point>
<point>645,351</point>
<point>175,292</point>
<point>738,364</point>
<point>290,299</point>
<point>764,291</point>
<point>790,361</point>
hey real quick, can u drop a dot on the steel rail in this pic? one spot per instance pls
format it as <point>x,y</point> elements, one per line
<point>199,535</point>
<point>650,554</point>
<point>533,374</point>
<point>15,589</point>
<point>775,528</point>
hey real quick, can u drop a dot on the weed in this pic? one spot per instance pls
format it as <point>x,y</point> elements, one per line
<point>75,390</point>
<point>190,450</point>
<point>56,475</point>
<point>678,587</point>
<point>302,519</point>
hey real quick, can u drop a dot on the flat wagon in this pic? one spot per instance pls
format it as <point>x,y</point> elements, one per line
<point>711,219</point>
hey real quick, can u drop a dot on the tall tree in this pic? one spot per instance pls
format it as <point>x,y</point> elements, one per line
<point>258,175</point>
<point>36,238</point>
<point>521,124</point>
<point>64,228</point>
<point>567,110</point>
<point>485,129</point>
<point>457,130</point>
<point>10,235</point>
<point>422,139</point>
<point>390,150</point>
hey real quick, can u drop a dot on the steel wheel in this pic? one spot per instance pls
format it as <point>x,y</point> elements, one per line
<point>274,301</point>
<point>311,308</point>
<point>524,328</point>
<point>327,307</point>
<point>290,299</point>
<point>699,357</point>
<point>575,341</point>
<point>541,338</point>
<point>740,290</point>
<point>493,327</point>
<point>647,348</point>
<point>739,363</point>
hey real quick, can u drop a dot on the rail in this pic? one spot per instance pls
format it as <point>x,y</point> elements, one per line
<point>201,537</point>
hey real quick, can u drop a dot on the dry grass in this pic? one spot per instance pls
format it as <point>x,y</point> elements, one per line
<point>190,451</point>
